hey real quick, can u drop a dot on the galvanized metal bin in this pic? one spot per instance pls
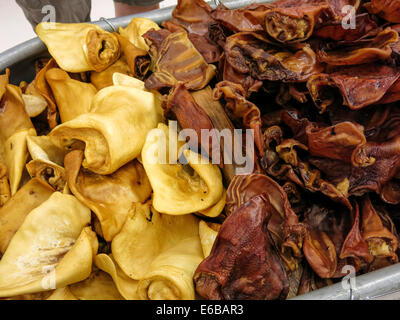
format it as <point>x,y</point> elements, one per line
<point>380,284</point>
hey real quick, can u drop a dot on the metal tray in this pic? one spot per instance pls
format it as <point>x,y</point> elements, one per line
<point>380,284</point>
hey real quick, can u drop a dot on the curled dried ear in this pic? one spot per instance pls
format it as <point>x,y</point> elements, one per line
<point>15,127</point>
<point>114,131</point>
<point>79,47</point>
<point>110,197</point>
<point>136,29</point>
<point>72,97</point>
<point>14,212</point>
<point>160,251</point>
<point>126,286</point>
<point>38,246</point>
<point>47,161</point>
<point>104,78</point>
<point>179,189</point>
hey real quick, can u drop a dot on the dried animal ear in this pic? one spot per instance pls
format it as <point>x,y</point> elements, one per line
<point>14,212</point>
<point>104,78</point>
<point>79,47</point>
<point>179,189</point>
<point>208,233</point>
<point>38,246</point>
<point>118,115</point>
<point>110,197</point>
<point>15,127</point>
<point>136,29</point>
<point>160,251</point>
<point>73,97</point>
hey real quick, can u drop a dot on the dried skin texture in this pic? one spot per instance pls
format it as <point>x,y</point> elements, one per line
<point>177,60</point>
<point>47,161</point>
<point>387,9</point>
<point>179,189</point>
<point>5,192</point>
<point>193,15</point>
<point>118,114</point>
<point>335,31</point>
<point>79,47</point>
<point>191,116</point>
<point>382,243</point>
<point>72,97</point>
<point>243,263</point>
<point>15,126</point>
<point>44,89</point>
<point>104,79</point>
<point>255,55</point>
<point>138,59</point>
<point>237,107</point>
<point>136,29</point>
<point>38,244</point>
<point>110,197</point>
<point>335,142</point>
<point>361,51</point>
<point>14,212</point>
<point>294,21</point>
<point>237,20</point>
<point>283,225</point>
<point>160,251</point>
<point>359,86</point>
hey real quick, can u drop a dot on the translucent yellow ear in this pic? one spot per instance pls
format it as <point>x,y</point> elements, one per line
<point>179,189</point>
<point>126,286</point>
<point>47,161</point>
<point>114,130</point>
<point>110,197</point>
<point>62,294</point>
<point>14,212</point>
<point>160,251</point>
<point>99,286</point>
<point>208,233</point>
<point>104,78</point>
<point>79,47</point>
<point>120,79</point>
<point>15,127</point>
<point>73,97</point>
<point>136,28</point>
<point>45,251</point>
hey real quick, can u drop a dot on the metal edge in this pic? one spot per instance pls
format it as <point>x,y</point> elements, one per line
<point>35,46</point>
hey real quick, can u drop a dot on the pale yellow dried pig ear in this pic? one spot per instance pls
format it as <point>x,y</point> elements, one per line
<point>47,161</point>
<point>160,251</point>
<point>15,127</point>
<point>208,233</point>
<point>113,133</point>
<point>73,97</point>
<point>136,28</point>
<point>45,251</point>
<point>110,197</point>
<point>104,78</point>
<point>126,286</point>
<point>14,212</point>
<point>79,47</point>
<point>179,189</point>
<point>99,286</point>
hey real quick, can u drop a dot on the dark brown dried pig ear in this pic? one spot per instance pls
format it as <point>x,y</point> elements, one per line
<point>254,54</point>
<point>294,21</point>
<point>382,243</point>
<point>243,263</point>
<point>359,86</point>
<point>193,15</point>
<point>334,30</point>
<point>361,51</point>
<point>388,10</point>
<point>238,108</point>
<point>175,59</point>
<point>190,115</point>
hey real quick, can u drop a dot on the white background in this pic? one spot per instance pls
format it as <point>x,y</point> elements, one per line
<point>16,29</point>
